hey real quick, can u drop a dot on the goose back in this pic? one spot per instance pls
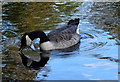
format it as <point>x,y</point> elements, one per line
<point>56,31</point>
<point>65,37</point>
<point>64,33</point>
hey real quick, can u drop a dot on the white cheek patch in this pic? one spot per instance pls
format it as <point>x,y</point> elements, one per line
<point>28,40</point>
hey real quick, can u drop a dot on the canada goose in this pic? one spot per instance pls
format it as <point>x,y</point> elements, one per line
<point>60,38</point>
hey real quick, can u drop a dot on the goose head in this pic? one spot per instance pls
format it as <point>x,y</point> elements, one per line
<point>27,38</point>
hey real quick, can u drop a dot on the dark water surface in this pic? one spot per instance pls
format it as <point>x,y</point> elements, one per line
<point>95,58</point>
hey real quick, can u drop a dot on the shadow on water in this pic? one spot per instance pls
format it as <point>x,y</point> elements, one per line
<point>96,55</point>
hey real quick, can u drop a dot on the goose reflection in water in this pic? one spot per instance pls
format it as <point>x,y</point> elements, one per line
<point>36,64</point>
<point>35,61</point>
<point>43,57</point>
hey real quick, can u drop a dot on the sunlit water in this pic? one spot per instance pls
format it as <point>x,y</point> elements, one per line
<point>95,58</point>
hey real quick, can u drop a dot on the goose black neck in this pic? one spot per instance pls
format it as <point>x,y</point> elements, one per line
<point>38,34</point>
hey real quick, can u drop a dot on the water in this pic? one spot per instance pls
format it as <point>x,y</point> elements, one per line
<point>95,58</point>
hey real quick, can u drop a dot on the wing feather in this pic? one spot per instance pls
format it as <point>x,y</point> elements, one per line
<point>62,34</point>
